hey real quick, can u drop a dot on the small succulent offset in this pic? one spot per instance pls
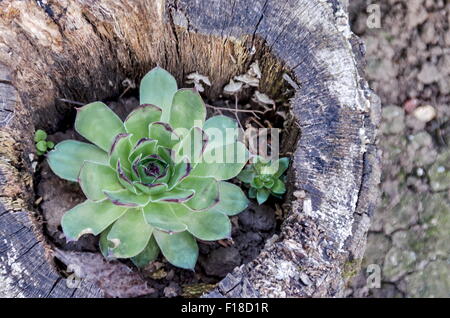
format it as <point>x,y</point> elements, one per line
<point>147,184</point>
<point>42,144</point>
<point>265,178</point>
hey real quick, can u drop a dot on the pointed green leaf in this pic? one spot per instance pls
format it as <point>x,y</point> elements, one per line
<point>90,217</point>
<point>99,124</point>
<point>144,147</point>
<point>180,249</point>
<point>188,110</point>
<point>175,196</point>
<point>222,163</point>
<point>124,179</point>
<point>68,157</point>
<point>283,164</point>
<point>180,172</point>
<point>278,187</point>
<point>221,130</point>
<point>246,175</point>
<point>191,146</point>
<point>148,255</point>
<point>164,133</point>
<point>262,195</point>
<point>152,189</point>
<point>252,193</point>
<point>232,199</point>
<point>158,88</point>
<point>129,234</point>
<point>208,226</point>
<point>257,182</point>
<point>165,216</point>
<point>138,120</point>
<point>104,244</point>
<point>206,192</point>
<point>95,178</point>
<point>126,198</point>
<point>120,149</point>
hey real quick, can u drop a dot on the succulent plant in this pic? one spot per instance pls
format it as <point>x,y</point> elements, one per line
<point>265,178</point>
<point>149,181</point>
<point>42,144</point>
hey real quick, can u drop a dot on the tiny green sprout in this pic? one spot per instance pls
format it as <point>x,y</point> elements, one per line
<point>42,145</point>
<point>150,181</point>
<point>40,135</point>
<point>265,178</point>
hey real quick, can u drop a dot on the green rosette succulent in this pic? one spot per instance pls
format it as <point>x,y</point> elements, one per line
<point>148,183</point>
<point>265,178</point>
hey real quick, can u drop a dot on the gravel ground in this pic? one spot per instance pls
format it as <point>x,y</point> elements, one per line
<point>408,66</point>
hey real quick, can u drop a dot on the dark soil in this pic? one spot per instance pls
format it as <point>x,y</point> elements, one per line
<point>250,230</point>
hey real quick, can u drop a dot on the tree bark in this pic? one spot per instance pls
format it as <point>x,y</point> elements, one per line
<point>83,50</point>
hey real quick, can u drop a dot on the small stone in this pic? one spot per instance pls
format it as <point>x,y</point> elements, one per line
<point>420,172</point>
<point>300,194</point>
<point>410,105</point>
<point>425,113</point>
<point>397,263</point>
<point>432,282</point>
<point>305,279</point>
<point>429,74</point>
<point>394,120</point>
<point>439,173</point>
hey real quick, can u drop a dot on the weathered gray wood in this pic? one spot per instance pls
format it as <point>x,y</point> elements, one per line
<point>83,50</point>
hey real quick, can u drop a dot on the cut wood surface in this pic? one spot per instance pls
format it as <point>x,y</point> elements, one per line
<point>83,50</point>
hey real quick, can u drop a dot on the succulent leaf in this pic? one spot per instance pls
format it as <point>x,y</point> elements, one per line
<point>68,157</point>
<point>208,226</point>
<point>127,198</point>
<point>104,244</point>
<point>152,189</point>
<point>232,199</point>
<point>40,135</point>
<point>50,144</point>
<point>175,196</point>
<point>148,255</point>
<point>138,120</point>
<point>164,133</point>
<point>188,110</point>
<point>90,218</point>
<point>95,178</point>
<point>206,192</point>
<point>128,243</point>
<point>180,171</point>
<point>246,175</point>
<point>142,147</point>
<point>119,150</point>
<point>99,124</point>
<point>278,187</point>
<point>180,249</point>
<point>165,216</point>
<point>262,195</point>
<point>221,130</point>
<point>41,146</point>
<point>283,164</point>
<point>124,179</point>
<point>158,88</point>
<point>222,163</point>
<point>191,146</point>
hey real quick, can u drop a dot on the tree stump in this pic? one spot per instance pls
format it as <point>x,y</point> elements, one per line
<point>83,50</point>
